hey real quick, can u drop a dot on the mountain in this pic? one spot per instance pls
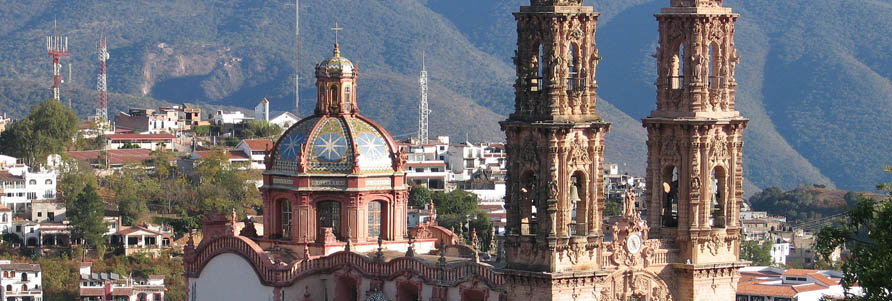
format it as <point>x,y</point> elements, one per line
<point>815,77</point>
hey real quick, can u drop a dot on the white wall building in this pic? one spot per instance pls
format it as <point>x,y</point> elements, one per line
<point>256,150</point>
<point>221,118</point>
<point>111,286</point>
<point>261,111</point>
<point>284,120</point>
<point>426,163</point>
<point>19,186</point>
<point>20,281</point>
<point>465,159</point>
<point>779,252</point>
<point>762,283</point>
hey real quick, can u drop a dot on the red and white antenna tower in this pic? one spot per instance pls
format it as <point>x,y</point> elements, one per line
<point>101,88</point>
<point>57,47</point>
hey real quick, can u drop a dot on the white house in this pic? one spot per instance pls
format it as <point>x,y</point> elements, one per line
<point>221,118</point>
<point>144,141</point>
<point>284,120</point>
<point>20,281</point>
<point>426,163</point>
<point>111,286</point>
<point>762,283</point>
<point>143,239</point>
<point>261,111</point>
<point>256,149</point>
<point>779,252</point>
<point>19,186</point>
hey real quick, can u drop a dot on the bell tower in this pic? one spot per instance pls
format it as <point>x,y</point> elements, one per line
<point>695,144</point>
<point>555,146</point>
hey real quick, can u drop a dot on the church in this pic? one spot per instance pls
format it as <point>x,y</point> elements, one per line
<point>335,191</point>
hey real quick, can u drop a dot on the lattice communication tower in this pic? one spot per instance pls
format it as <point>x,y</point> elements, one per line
<point>57,47</point>
<point>101,84</point>
<point>423,110</point>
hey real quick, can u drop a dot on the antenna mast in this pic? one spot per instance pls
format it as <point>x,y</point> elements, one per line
<point>101,87</point>
<point>423,110</point>
<point>70,94</point>
<point>297,58</point>
<point>56,47</point>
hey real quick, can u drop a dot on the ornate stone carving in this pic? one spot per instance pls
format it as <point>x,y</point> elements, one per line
<point>579,154</point>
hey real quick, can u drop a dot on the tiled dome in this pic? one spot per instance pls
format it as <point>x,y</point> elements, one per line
<point>331,144</point>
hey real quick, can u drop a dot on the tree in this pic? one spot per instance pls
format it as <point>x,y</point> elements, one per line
<point>419,196</point>
<point>259,129</point>
<point>49,128</point>
<point>221,185</point>
<point>867,235</point>
<point>133,189</point>
<point>757,252</point>
<point>85,212</point>
<point>613,208</point>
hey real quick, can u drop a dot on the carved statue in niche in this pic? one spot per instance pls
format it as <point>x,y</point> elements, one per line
<point>733,62</point>
<point>699,62</point>
<point>553,190</point>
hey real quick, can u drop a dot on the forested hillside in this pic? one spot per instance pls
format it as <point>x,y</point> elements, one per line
<point>815,76</point>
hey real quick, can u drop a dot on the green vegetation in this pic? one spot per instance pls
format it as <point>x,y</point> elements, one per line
<point>804,203</point>
<point>85,211</point>
<point>458,210</point>
<point>419,196</point>
<point>259,129</point>
<point>48,129</point>
<point>867,236</point>
<point>759,253</point>
<point>61,275</point>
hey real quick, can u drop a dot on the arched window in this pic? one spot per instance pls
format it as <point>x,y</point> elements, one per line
<point>348,95</point>
<point>328,214</point>
<point>4,218</point>
<point>24,276</point>
<point>676,76</point>
<point>335,102</point>
<point>8,287</point>
<point>670,197</point>
<point>714,65</point>
<point>285,206</point>
<point>49,182</point>
<point>539,83</point>
<point>577,204</point>
<point>407,291</point>
<point>719,198</point>
<point>573,82</point>
<point>528,202</point>
<point>374,219</point>
<point>141,297</point>
<point>32,182</point>
<point>5,274</point>
<point>24,287</point>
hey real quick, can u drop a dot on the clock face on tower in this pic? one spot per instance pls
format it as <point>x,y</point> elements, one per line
<point>633,243</point>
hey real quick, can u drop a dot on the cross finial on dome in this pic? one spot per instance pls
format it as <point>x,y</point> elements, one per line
<point>336,29</point>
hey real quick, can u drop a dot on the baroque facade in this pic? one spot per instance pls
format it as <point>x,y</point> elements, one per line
<point>335,188</point>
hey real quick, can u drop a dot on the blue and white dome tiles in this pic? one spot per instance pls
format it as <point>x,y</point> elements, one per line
<point>332,144</point>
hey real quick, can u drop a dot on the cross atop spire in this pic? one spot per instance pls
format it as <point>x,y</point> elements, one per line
<point>336,29</point>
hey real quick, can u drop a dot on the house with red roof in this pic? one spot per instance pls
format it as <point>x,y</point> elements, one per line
<point>763,283</point>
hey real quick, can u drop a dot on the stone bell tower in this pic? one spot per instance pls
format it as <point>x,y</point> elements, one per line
<point>555,146</point>
<point>695,144</point>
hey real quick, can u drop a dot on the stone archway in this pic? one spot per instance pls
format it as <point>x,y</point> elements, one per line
<point>633,285</point>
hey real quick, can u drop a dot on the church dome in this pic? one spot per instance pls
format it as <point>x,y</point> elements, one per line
<point>336,66</point>
<point>340,144</point>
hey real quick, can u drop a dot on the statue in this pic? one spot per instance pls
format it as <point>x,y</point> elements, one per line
<point>629,203</point>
